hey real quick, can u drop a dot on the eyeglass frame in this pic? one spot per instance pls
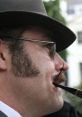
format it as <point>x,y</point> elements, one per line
<point>48,44</point>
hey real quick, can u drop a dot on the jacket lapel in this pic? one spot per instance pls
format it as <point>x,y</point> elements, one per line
<point>2,114</point>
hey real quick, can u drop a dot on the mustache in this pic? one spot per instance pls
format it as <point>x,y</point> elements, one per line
<point>59,78</point>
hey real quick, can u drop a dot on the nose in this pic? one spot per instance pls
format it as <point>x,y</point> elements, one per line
<point>59,63</point>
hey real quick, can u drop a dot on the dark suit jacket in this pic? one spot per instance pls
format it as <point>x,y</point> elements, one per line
<point>2,114</point>
<point>67,111</point>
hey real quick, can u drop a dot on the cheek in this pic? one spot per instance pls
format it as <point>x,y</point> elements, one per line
<point>35,89</point>
<point>42,61</point>
<point>40,58</point>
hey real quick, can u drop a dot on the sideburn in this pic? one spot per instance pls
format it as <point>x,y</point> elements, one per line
<point>22,64</point>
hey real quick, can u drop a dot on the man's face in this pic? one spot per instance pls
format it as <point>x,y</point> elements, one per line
<point>34,71</point>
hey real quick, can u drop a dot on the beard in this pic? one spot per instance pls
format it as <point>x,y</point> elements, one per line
<point>22,65</point>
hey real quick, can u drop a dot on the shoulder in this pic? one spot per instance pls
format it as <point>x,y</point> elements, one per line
<point>67,111</point>
<point>2,114</point>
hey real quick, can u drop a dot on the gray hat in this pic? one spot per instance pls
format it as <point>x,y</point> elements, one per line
<point>24,12</point>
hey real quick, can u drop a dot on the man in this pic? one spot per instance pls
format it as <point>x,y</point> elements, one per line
<point>29,59</point>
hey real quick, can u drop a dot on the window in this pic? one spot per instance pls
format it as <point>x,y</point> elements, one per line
<point>81,71</point>
<point>79,34</point>
<point>70,11</point>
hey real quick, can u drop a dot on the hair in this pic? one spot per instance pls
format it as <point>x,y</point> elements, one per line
<point>21,62</point>
<point>10,35</point>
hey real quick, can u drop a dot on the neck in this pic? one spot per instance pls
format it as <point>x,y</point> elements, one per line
<point>23,107</point>
<point>13,95</point>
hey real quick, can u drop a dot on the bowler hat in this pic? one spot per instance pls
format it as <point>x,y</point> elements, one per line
<point>24,12</point>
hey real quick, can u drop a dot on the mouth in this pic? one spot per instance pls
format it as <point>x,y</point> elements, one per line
<point>58,79</point>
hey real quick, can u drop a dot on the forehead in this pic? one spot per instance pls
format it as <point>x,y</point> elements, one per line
<point>35,31</point>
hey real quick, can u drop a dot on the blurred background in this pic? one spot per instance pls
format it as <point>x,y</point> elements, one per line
<point>69,12</point>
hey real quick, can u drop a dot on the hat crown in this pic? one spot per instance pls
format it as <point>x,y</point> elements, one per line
<point>35,6</point>
<point>15,13</point>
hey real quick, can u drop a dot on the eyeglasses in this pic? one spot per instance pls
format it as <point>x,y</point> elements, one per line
<point>48,44</point>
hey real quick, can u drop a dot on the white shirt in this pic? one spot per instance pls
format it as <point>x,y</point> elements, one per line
<point>8,110</point>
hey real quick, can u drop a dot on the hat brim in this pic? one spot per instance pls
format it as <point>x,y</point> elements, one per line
<point>62,35</point>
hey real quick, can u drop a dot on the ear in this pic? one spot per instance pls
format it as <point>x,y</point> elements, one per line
<point>3,62</point>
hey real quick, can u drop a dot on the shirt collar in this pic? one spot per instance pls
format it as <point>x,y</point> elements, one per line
<point>8,110</point>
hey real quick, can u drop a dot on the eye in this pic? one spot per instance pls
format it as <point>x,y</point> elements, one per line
<point>49,46</point>
<point>46,48</point>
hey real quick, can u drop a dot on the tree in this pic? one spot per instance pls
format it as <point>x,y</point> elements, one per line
<point>53,10</point>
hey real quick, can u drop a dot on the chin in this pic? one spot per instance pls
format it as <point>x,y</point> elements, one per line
<point>54,108</point>
<point>58,104</point>
<point>58,101</point>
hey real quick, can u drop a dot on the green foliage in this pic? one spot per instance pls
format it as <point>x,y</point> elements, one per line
<point>63,54</point>
<point>75,101</point>
<point>53,10</point>
<point>80,86</point>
